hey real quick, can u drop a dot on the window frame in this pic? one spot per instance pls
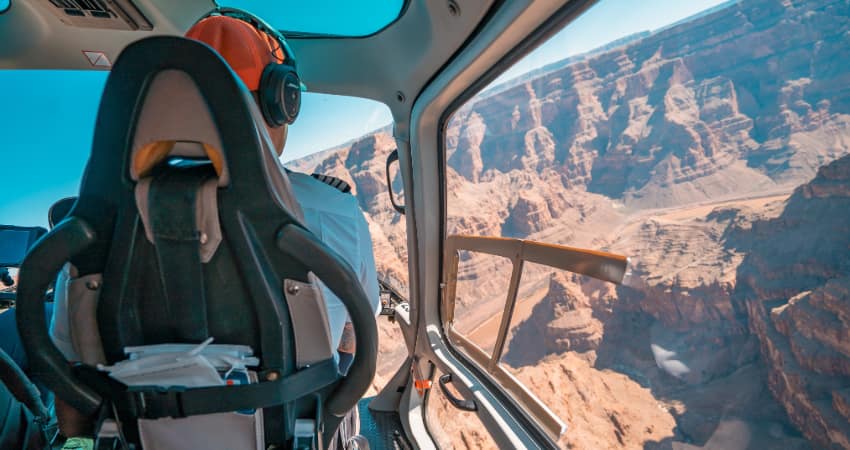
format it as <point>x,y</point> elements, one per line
<point>551,26</point>
<point>599,265</point>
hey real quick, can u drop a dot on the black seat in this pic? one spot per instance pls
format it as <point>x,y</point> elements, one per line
<point>186,213</point>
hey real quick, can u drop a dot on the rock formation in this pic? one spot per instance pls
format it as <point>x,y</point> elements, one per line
<point>722,104</point>
<point>795,284</point>
<point>679,147</point>
<point>563,321</point>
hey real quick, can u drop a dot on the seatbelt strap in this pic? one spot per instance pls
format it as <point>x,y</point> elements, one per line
<point>153,403</point>
<point>172,203</point>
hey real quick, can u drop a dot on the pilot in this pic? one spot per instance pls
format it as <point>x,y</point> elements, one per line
<point>330,213</point>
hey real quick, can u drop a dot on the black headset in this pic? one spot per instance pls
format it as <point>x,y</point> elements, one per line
<point>280,85</point>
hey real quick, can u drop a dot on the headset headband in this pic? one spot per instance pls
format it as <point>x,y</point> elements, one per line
<point>261,25</point>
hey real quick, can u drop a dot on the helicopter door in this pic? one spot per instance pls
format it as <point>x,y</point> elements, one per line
<point>498,325</point>
<point>487,379</point>
<point>552,168</point>
<point>693,137</point>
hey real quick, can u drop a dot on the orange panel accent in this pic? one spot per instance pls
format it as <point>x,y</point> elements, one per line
<point>216,157</point>
<point>150,155</point>
<point>421,386</point>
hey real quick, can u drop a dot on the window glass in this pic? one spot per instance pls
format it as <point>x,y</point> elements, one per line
<point>328,122</point>
<point>47,123</point>
<point>46,127</point>
<point>550,311</point>
<point>331,17</point>
<point>710,142</point>
<point>481,290</point>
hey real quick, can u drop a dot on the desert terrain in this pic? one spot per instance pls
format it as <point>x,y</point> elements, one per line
<point>713,152</point>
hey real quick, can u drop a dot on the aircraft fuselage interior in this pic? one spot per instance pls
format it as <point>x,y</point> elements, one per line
<point>417,224</point>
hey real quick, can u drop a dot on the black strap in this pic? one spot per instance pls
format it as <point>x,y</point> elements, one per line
<point>172,205</point>
<point>154,403</point>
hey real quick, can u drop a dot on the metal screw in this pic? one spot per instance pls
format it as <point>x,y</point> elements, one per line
<point>93,285</point>
<point>454,8</point>
<point>399,96</point>
<point>272,376</point>
<point>292,289</point>
<point>204,238</point>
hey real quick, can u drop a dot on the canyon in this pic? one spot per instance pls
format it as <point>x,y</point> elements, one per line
<point>714,153</point>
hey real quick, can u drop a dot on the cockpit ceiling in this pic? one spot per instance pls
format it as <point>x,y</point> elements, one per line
<point>391,66</point>
<point>54,34</point>
<point>116,15</point>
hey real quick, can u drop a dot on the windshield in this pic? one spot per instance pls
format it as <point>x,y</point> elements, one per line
<point>47,121</point>
<point>46,126</point>
<point>709,142</point>
<point>327,17</point>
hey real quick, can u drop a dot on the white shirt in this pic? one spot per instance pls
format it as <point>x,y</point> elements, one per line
<point>333,216</point>
<point>336,219</point>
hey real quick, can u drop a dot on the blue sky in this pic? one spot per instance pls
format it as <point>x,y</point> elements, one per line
<point>607,21</point>
<point>47,117</point>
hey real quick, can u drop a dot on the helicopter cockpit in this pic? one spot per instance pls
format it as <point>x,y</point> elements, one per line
<point>595,224</point>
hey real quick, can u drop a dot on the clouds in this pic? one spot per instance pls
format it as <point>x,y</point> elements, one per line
<point>665,360</point>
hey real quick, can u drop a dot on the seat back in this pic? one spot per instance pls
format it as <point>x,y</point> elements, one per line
<point>188,220</point>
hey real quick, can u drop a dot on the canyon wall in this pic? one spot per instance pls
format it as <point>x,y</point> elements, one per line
<point>713,153</point>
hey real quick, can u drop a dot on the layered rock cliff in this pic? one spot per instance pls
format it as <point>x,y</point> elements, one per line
<point>748,98</point>
<point>680,148</point>
<point>795,284</point>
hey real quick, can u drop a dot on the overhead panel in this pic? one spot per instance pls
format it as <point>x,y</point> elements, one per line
<point>105,14</point>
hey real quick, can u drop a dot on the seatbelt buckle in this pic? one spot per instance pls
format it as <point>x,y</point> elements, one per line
<point>156,404</point>
<point>305,435</point>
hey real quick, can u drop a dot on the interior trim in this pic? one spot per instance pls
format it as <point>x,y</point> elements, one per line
<point>513,32</point>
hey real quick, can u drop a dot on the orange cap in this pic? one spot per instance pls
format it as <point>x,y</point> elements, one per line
<point>247,50</point>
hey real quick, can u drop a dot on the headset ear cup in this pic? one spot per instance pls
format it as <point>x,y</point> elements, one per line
<point>291,95</point>
<point>270,96</point>
<point>280,94</point>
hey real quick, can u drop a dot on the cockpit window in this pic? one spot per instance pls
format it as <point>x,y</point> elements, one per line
<point>329,121</point>
<point>46,124</point>
<point>47,120</point>
<point>709,142</point>
<point>324,17</point>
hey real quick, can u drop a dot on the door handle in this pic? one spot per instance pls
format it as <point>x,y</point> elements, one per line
<point>391,159</point>
<point>464,405</point>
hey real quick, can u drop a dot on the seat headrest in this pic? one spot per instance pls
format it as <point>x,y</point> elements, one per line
<point>171,96</point>
<point>174,121</point>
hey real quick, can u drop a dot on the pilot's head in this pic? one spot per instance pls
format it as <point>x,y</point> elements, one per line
<point>249,52</point>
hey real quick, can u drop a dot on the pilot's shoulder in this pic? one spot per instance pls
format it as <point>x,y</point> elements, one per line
<point>323,192</point>
<point>334,182</point>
